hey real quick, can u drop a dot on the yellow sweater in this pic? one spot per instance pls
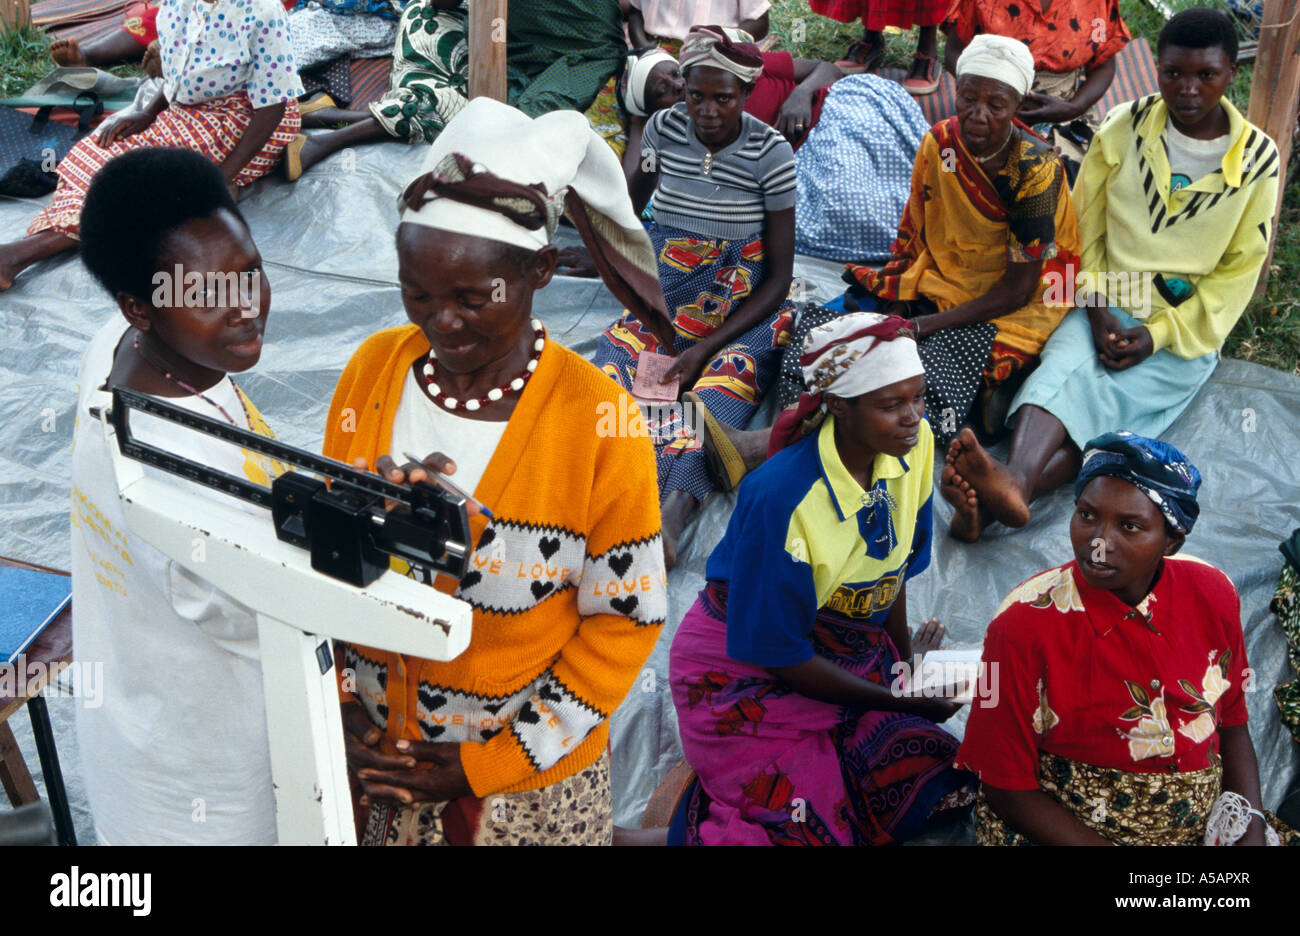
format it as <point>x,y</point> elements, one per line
<point>1213,234</point>
<point>567,582</point>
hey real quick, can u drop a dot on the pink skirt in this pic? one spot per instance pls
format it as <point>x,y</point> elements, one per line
<point>778,768</point>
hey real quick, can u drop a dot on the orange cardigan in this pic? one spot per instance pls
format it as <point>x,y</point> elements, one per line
<point>567,582</point>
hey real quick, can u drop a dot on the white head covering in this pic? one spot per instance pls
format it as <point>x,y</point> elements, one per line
<point>1001,58</point>
<point>569,167</point>
<point>637,73</point>
<point>840,357</point>
<point>848,356</point>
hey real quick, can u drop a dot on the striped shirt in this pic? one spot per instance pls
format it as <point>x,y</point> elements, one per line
<point>729,195</point>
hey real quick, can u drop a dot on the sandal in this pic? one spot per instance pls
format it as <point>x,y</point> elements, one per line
<point>293,156</point>
<point>319,102</point>
<point>861,56</point>
<point>726,467</point>
<point>923,86</point>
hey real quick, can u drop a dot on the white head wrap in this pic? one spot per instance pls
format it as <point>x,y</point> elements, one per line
<point>558,150</point>
<point>636,76</point>
<point>838,358</point>
<point>1001,58</point>
<point>580,176</point>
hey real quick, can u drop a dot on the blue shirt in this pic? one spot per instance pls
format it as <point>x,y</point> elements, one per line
<point>805,536</point>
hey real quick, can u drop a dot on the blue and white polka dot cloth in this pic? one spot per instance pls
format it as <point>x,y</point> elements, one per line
<point>855,170</point>
<point>214,48</point>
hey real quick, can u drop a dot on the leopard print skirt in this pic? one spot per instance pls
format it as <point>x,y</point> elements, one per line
<point>1127,808</point>
<point>577,810</point>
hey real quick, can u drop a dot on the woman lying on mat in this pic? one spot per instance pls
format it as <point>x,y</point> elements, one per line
<point>1176,200</point>
<point>137,36</point>
<point>782,670</point>
<point>1120,714</point>
<point>508,743</point>
<point>559,55</point>
<point>1074,43</point>
<point>229,93</point>
<point>988,227</point>
<point>186,716</point>
<point>724,190</point>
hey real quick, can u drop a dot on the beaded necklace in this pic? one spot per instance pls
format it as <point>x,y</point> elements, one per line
<point>248,421</point>
<point>496,393</point>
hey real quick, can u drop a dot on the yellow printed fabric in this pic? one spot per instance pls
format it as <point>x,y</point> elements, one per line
<point>961,228</point>
<point>1184,262</point>
<point>808,538</point>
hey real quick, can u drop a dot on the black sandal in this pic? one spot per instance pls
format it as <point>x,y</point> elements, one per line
<point>862,56</point>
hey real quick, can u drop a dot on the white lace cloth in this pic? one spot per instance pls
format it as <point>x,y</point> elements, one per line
<point>1229,819</point>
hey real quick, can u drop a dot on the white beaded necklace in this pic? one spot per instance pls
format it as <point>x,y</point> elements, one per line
<point>496,393</point>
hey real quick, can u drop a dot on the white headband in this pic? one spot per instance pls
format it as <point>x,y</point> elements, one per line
<point>639,68</point>
<point>848,366</point>
<point>999,58</point>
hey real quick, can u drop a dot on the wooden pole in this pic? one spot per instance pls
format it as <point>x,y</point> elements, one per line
<point>487,49</point>
<point>15,15</point>
<point>1275,86</point>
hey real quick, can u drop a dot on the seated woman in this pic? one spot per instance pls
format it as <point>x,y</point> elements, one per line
<point>782,669</point>
<point>854,172</point>
<point>1074,43</point>
<point>186,714</point>
<point>724,191</point>
<point>1176,195</point>
<point>669,21</point>
<point>508,743</point>
<point>559,54</point>
<point>989,226</point>
<point>1120,714</point>
<point>229,94</point>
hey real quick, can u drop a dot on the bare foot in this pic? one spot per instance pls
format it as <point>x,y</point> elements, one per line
<point>956,490</point>
<point>6,276</point>
<point>152,61</point>
<point>576,261</point>
<point>1001,490</point>
<point>67,52</point>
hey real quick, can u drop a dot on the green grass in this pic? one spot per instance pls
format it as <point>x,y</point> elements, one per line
<point>1269,330</point>
<point>25,60</point>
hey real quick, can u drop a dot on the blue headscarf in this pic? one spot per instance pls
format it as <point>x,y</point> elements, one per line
<point>1156,468</point>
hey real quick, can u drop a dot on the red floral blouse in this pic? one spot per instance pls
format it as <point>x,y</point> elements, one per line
<point>1072,670</point>
<point>1071,34</point>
